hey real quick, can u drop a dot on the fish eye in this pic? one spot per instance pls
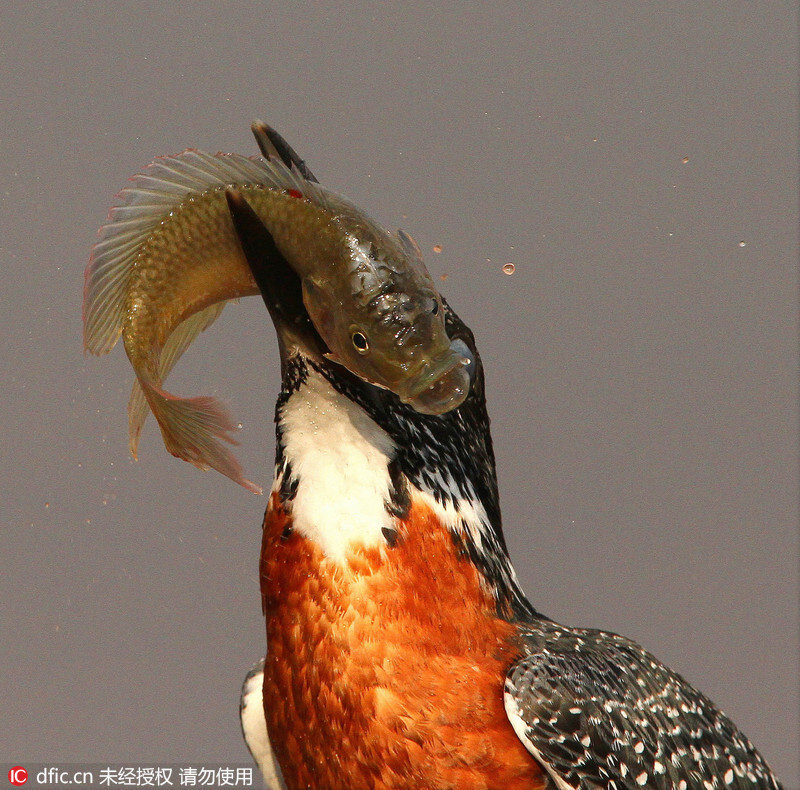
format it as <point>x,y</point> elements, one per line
<point>360,342</point>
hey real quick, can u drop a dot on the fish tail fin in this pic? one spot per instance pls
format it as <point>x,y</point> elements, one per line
<point>192,429</point>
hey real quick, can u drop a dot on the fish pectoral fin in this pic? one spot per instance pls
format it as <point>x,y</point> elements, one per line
<point>192,429</point>
<point>333,357</point>
<point>409,244</point>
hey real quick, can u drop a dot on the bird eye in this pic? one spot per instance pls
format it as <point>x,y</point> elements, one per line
<point>360,342</point>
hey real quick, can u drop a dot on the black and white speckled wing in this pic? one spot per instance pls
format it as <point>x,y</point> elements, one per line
<point>598,711</point>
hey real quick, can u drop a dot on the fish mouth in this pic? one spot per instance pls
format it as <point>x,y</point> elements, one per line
<point>441,386</point>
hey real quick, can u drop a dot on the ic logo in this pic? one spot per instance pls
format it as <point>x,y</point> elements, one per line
<point>17,775</point>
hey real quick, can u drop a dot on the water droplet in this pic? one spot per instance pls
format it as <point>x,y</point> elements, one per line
<point>742,243</point>
<point>437,248</point>
<point>685,160</point>
<point>509,268</point>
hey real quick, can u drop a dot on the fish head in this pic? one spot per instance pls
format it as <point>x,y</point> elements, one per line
<point>374,312</point>
<point>394,337</point>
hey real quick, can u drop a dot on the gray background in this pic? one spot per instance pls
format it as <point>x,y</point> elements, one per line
<point>641,362</point>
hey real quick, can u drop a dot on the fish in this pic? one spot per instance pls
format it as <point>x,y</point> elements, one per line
<point>376,305</point>
<point>168,261</point>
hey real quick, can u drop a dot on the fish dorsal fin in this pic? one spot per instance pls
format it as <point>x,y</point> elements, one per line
<point>154,193</point>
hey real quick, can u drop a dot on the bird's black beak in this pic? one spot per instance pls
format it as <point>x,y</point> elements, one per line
<point>279,284</point>
<point>272,145</point>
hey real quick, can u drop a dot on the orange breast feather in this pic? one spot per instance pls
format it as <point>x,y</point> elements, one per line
<point>387,673</point>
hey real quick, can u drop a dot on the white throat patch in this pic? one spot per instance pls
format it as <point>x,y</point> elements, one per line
<point>340,458</point>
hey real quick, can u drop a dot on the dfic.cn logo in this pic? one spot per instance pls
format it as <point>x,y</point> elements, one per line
<point>17,775</point>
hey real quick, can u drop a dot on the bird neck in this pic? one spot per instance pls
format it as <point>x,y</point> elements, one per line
<point>349,464</point>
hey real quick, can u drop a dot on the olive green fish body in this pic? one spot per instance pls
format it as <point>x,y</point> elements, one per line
<point>193,261</point>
